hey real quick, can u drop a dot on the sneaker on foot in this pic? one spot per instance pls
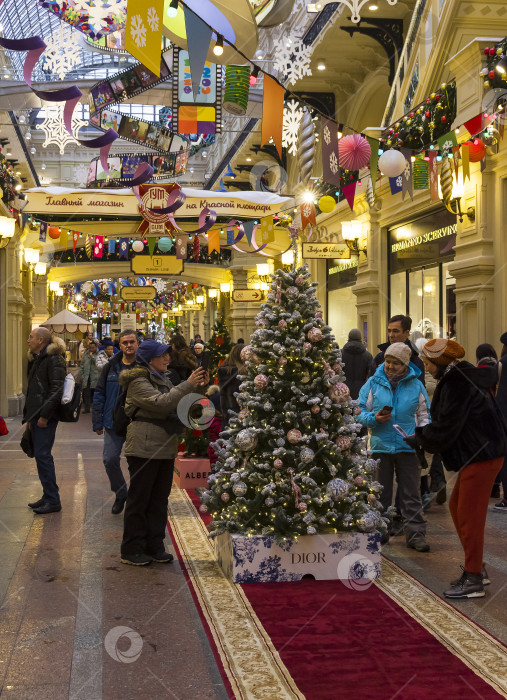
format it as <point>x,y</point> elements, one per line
<point>162,557</point>
<point>118,506</point>
<point>501,506</point>
<point>135,559</point>
<point>469,586</point>
<point>419,545</point>
<point>426,500</point>
<point>485,578</point>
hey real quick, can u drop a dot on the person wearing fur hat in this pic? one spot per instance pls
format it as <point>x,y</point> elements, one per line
<point>394,395</point>
<point>467,429</point>
<point>46,376</point>
<point>150,449</point>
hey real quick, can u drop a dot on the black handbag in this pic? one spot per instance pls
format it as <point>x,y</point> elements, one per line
<point>26,443</point>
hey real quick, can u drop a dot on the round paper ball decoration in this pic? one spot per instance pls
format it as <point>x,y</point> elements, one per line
<point>477,150</point>
<point>138,246</point>
<point>326,205</point>
<point>392,163</point>
<point>165,245</point>
<point>54,232</point>
<point>354,152</point>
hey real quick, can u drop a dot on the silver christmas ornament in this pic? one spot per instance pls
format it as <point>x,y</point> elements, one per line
<point>337,489</point>
<point>246,439</point>
<point>306,455</point>
<point>240,488</point>
<point>269,502</point>
<point>367,522</point>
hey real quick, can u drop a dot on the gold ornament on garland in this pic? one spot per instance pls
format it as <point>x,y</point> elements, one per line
<point>446,183</point>
<point>88,247</point>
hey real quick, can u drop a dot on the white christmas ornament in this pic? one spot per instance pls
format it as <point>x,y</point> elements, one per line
<point>292,59</point>
<point>54,128</point>
<point>61,56</point>
<point>292,116</point>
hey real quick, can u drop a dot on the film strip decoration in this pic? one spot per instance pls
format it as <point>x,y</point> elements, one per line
<point>125,85</point>
<point>122,168</point>
<point>203,116</point>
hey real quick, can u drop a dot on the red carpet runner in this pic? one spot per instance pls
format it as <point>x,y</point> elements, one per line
<point>338,643</point>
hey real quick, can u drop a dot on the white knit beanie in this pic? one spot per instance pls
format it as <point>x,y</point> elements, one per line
<point>400,351</point>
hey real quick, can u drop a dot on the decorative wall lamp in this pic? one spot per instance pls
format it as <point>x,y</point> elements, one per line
<point>31,256</point>
<point>212,293</point>
<point>288,258</point>
<point>453,205</point>
<point>7,228</point>
<point>225,287</point>
<point>352,231</point>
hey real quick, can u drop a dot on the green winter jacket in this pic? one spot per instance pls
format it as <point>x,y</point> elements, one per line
<point>154,397</point>
<point>89,369</point>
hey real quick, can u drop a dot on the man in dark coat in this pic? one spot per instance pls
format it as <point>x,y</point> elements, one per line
<point>398,331</point>
<point>105,398</point>
<point>357,362</point>
<point>46,376</point>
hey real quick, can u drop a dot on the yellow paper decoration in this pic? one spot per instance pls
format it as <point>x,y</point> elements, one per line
<point>144,32</point>
<point>267,229</point>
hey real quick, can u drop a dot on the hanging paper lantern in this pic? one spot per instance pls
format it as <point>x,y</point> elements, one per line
<point>196,248</point>
<point>477,150</point>
<point>165,245</point>
<point>138,246</point>
<point>327,204</point>
<point>354,152</point>
<point>237,85</point>
<point>392,163</point>
<point>54,232</point>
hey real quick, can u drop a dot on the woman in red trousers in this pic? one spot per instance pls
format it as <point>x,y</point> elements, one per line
<point>467,429</point>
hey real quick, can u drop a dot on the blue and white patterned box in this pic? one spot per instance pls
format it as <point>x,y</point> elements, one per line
<point>339,556</point>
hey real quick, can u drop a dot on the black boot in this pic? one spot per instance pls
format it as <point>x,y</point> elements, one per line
<point>468,586</point>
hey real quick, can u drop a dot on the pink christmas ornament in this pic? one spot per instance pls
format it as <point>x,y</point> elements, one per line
<point>260,322</point>
<point>282,361</point>
<point>307,347</point>
<point>282,323</point>
<point>225,497</point>
<point>315,334</point>
<point>278,463</point>
<point>315,409</point>
<point>294,436</point>
<point>339,392</point>
<point>359,480</point>
<point>203,508</point>
<point>302,507</point>
<point>318,314</point>
<point>299,281</point>
<point>354,152</point>
<point>261,381</point>
<point>343,442</point>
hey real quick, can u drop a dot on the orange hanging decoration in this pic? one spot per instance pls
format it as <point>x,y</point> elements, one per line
<point>54,232</point>
<point>477,150</point>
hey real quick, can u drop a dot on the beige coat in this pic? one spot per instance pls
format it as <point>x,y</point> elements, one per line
<point>154,397</point>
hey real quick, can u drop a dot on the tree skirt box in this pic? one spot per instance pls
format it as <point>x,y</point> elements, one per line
<point>338,556</point>
<point>191,472</point>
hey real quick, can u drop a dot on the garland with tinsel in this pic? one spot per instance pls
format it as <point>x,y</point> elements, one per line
<point>493,77</point>
<point>425,123</point>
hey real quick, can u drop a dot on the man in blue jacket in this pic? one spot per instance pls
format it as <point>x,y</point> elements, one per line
<point>394,395</point>
<point>105,398</point>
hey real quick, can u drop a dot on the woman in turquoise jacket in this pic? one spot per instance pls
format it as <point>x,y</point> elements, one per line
<point>394,395</point>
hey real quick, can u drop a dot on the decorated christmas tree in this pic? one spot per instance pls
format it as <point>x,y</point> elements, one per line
<point>219,345</point>
<point>292,461</point>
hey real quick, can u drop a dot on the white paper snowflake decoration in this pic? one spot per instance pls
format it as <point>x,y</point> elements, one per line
<point>333,163</point>
<point>160,285</point>
<point>80,174</point>
<point>153,19</point>
<point>292,59</point>
<point>99,11</point>
<point>61,55</point>
<point>54,128</point>
<point>292,115</point>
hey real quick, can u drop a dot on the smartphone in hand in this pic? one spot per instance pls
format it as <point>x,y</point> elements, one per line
<point>386,410</point>
<point>205,361</point>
